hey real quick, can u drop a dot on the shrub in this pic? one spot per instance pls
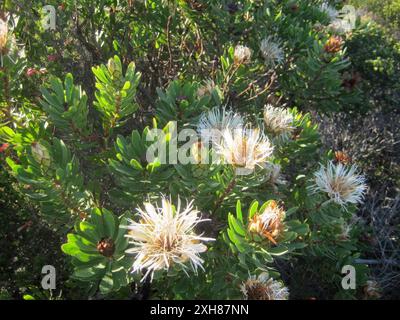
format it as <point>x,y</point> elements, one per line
<point>387,10</point>
<point>375,56</point>
<point>98,148</point>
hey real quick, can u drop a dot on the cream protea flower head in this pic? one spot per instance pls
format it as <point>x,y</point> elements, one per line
<point>242,55</point>
<point>244,147</point>
<point>278,121</point>
<point>164,237</point>
<point>264,288</point>
<point>269,223</point>
<point>206,89</point>
<point>273,172</point>
<point>372,290</point>
<point>342,184</point>
<point>329,10</point>
<point>3,36</point>
<point>271,51</point>
<point>212,123</point>
<point>340,26</point>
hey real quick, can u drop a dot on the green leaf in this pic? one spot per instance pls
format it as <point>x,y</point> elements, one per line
<point>236,240</point>
<point>121,239</point>
<point>297,245</point>
<point>110,223</point>
<point>134,163</point>
<point>107,283</point>
<point>236,225</point>
<point>82,244</point>
<point>278,251</point>
<point>239,214</point>
<point>289,236</point>
<point>97,219</point>
<point>87,274</point>
<point>89,231</point>
<point>73,250</point>
<point>291,211</point>
<point>253,209</point>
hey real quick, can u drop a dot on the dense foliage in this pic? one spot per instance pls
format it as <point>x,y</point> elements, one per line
<point>82,105</point>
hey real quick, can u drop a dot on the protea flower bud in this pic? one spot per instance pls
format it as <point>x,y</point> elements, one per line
<point>372,290</point>
<point>40,154</point>
<point>52,57</point>
<point>31,72</point>
<point>342,157</point>
<point>334,44</point>
<point>4,147</point>
<point>106,247</point>
<point>269,223</point>
<point>242,55</point>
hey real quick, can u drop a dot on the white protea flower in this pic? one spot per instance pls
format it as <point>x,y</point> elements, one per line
<point>3,36</point>
<point>164,237</point>
<point>242,55</point>
<point>206,89</point>
<point>8,42</point>
<point>342,184</point>
<point>340,26</point>
<point>245,147</point>
<point>278,121</point>
<point>329,10</point>
<point>212,123</point>
<point>372,290</point>
<point>272,51</point>
<point>273,173</point>
<point>264,288</point>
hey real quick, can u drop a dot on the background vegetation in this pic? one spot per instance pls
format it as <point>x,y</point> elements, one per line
<point>179,60</point>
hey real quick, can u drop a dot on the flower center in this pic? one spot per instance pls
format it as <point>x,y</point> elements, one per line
<point>257,291</point>
<point>340,187</point>
<point>167,242</point>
